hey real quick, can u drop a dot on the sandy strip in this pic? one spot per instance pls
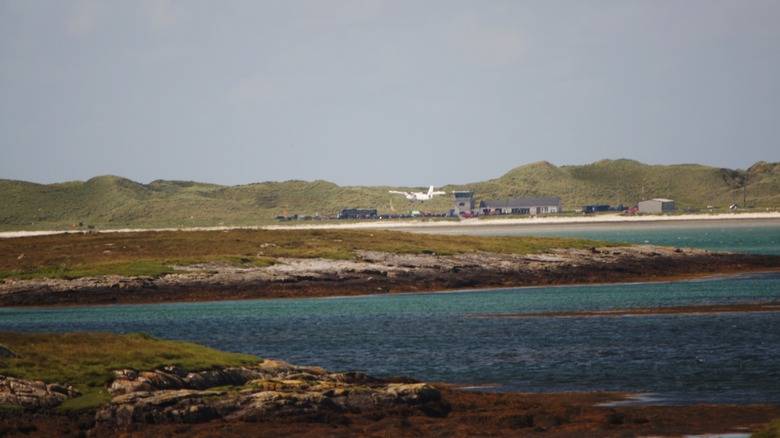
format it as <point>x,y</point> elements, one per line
<point>600,220</point>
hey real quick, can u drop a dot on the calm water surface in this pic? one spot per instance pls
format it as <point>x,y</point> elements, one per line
<point>752,236</point>
<point>435,337</point>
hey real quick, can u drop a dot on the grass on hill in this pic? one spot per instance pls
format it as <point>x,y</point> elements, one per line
<point>153,253</point>
<point>111,202</point>
<point>87,360</point>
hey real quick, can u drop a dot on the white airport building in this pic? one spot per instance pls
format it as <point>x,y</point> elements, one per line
<point>531,206</point>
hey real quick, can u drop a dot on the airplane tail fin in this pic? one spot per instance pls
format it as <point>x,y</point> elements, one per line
<point>430,191</point>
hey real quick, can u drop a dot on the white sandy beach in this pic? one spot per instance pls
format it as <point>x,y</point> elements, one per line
<point>740,219</point>
<point>601,220</point>
<point>547,220</point>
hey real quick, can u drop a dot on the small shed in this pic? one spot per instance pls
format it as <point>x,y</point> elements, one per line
<point>657,205</point>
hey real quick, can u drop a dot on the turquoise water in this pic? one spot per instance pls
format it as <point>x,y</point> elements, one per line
<point>759,237</point>
<point>436,336</point>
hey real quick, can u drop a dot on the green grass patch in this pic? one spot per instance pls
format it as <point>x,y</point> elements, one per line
<point>125,268</point>
<point>247,261</point>
<point>87,360</point>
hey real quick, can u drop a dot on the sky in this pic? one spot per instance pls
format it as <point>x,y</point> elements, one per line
<point>403,93</point>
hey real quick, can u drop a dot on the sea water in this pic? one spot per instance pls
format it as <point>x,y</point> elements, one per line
<point>717,358</point>
<point>751,236</point>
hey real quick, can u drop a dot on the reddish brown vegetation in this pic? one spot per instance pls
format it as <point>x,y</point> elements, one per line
<point>472,414</point>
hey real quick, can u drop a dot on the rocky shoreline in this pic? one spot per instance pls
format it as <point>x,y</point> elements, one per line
<point>374,272</point>
<point>270,391</point>
<point>278,399</point>
<point>273,398</point>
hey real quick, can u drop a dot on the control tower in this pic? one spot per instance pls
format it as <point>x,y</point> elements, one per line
<point>464,202</point>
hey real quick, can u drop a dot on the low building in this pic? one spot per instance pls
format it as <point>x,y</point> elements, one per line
<point>657,205</point>
<point>532,206</point>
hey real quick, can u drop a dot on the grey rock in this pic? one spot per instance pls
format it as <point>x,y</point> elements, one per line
<point>271,389</point>
<point>33,394</point>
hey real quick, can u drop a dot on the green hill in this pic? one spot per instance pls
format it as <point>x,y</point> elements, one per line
<point>627,182</point>
<point>115,202</point>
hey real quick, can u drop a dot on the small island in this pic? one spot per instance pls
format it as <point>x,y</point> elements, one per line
<point>183,266</point>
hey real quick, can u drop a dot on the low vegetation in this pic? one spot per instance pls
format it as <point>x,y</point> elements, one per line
<point>771,431</point>
<point>87,360</point>
<point>114,202</point>
<point>75,255</point>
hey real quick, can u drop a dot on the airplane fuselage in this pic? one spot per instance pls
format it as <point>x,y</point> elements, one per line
<point>419,196</point>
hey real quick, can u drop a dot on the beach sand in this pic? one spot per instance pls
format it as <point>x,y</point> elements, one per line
<point>546,223</point>
<point>420,225</point>
<point>554,222</point>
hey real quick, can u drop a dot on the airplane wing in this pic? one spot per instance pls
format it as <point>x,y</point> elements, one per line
<point>398,193</point>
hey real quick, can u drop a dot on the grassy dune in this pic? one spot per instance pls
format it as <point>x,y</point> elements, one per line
<point>115,202</point>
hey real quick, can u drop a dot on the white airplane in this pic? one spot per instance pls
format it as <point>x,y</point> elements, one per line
<point>419,196</point>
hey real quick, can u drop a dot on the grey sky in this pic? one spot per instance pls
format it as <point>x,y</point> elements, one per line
<point>396,92</point>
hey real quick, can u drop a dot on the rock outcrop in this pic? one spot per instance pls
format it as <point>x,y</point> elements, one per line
<point>33,394</point>
<point>269,390</point>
